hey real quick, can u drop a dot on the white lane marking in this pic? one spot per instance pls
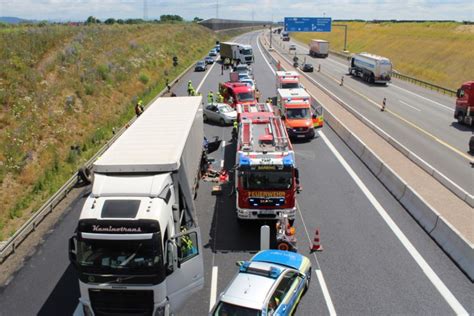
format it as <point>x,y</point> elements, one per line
<point>408,91</point>
<point>263,55</point>
<point>425,267</point>
<point>222,163</point>
<point>212,300</point>
<point>319,273</point>
<point>207,74</point>
<point>411,106</point>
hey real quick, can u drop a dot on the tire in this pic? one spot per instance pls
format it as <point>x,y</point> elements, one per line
<point>460,118</point>
<point>204,118</point>
<point>85,175</point>
<point>308,280</point>
<point>222,122</point>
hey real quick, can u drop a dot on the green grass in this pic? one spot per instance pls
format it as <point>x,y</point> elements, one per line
<point>66,85</point>
<point>438,52</point>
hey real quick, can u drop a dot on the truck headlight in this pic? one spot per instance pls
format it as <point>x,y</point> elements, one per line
<point>87,310</point>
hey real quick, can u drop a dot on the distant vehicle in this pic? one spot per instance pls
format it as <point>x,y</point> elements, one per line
<point>287,80</point>
<point>219,112</point>
<point>217,48</point>
<point>249,82</point>
<point>237,52</point>
<point>200,66</point>
<point>209,60</point>
<point>464,111</point>
<point>292,47</point>
<point>285,36</point>
<point>271,283</point>
<point>371,68</point>
<point>307,67</point>
<point>137,240</point>
<point>471,145</point>
<point>241,68</point>
<point>319,48</point>
<point>237,93</point>
<point>244,75</point>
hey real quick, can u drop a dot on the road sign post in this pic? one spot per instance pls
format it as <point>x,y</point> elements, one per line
<point>345,34</point>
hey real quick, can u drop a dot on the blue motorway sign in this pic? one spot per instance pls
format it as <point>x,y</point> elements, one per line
<point>307,24</point>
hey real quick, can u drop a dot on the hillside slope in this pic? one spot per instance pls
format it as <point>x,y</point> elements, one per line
<point>62,91</point>
<point>438,52</point>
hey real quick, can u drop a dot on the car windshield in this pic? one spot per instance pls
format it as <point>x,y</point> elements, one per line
<point>290,85</point>
<point>298,113</point>
<point>247,51</point>
<point>109,256</point>
<point>200,63</point>
<point>267,180</point>
<point>246,96</point>
<point>225,109</point>
<point>226,309</point>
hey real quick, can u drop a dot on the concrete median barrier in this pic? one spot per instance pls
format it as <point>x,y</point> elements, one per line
<point>356,145</point>
<point>372,161</point>
<point>392,182</point>
<point>459,249</point>
<point>425,214</point>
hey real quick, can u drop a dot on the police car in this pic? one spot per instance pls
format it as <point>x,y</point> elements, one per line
<point>271,283</point>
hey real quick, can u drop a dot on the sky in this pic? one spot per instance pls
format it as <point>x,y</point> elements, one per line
<point>262,10</point>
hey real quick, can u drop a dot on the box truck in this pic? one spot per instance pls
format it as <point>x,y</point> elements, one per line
<point>137,247</point>
<point>236,52</point>
<point>371,68</point>
<point>319,48</point>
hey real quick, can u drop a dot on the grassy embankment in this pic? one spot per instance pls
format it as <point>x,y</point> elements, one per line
<point>441,53</point>
<point>63,86</point>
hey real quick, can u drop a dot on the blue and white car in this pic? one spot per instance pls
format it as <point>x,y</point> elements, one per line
<point>271,283</point>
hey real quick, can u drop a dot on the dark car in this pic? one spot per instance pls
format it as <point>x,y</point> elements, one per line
<point>200,66</point>
<point>471,145</point>
<point>307,67</point>
<point>209,60</point>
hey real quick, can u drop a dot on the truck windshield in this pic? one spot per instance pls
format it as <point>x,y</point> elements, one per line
<point>290,85</point>
<point>119,256</point>
<point>296,114</point>
<point>267,180</point>
<point>245,97</point>
<point>247,51</point>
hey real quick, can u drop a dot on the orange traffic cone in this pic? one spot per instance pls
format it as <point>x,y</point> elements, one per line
<point>316,244</point>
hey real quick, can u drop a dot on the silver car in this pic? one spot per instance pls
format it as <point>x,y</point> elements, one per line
<point>271,283</point>
<point>219,112</point>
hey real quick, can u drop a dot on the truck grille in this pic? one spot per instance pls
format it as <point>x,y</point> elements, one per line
<point>120,302</point>
<point>301,129</point>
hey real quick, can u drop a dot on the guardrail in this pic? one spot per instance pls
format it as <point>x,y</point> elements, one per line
<point>8,247</point>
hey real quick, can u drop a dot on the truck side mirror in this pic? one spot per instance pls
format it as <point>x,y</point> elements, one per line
<point>171,256</point>
<point>299,189</point>
<point>283,118</point>
<point>72,250</point>
<point>458,93</point>
<point>314,116</point>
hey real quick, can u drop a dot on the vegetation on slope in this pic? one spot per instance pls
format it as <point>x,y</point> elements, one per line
<point>438,52</point>
<point>62,91</point>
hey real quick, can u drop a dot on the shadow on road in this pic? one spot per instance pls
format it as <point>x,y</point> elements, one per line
<point>64,298</point>
<point>227,233</point>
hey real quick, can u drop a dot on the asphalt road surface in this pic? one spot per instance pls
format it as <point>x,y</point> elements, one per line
<point>366,267</point>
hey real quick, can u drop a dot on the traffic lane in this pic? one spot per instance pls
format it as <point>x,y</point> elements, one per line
<point>367,269</point>
<point>446,160</point>
<point>434,97</point>
<point>47,284</point>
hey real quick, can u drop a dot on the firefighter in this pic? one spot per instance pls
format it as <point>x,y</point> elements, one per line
<point>220,98</point>
<point>257,95</point>
<point>269,101</point>
<point>210,97</point>
<point>234,130</point>
<point>139,108</point>
<point>384,102</point>
<point>190,87</point>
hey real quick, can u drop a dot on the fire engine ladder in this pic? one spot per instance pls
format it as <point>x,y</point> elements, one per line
<point>279,135</point>
<point>246,139</point>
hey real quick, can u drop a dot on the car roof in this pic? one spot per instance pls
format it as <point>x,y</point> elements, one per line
<point>249,289</point>
<point>224,105</point>
<point>285,258</point>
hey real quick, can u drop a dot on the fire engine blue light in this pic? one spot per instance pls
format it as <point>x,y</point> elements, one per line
<point>288,160</point>
<point>282,200</point>
<point>251,200</point>
<point>244,160</point>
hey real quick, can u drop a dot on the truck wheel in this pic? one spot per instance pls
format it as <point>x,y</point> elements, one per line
<point>85,175</point>
<point>460,118</point>
<point>204,117</point>
<point>222,122</point>
<point>372,78</point>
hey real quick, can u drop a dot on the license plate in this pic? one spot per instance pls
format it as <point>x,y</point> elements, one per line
<point>301,136</point>
<point>266,212</point>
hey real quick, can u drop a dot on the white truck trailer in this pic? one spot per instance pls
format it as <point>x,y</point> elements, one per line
<point>319,48</point>
<point>137,247</point>
<point>237,52</point>
<point>371,68</point>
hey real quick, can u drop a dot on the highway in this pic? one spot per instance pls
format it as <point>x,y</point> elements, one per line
<point>419,118</point>
<point>366,267</point>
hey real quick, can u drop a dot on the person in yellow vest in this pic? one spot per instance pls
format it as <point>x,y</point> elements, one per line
<point>210,98</point>
<point>220,98</point>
